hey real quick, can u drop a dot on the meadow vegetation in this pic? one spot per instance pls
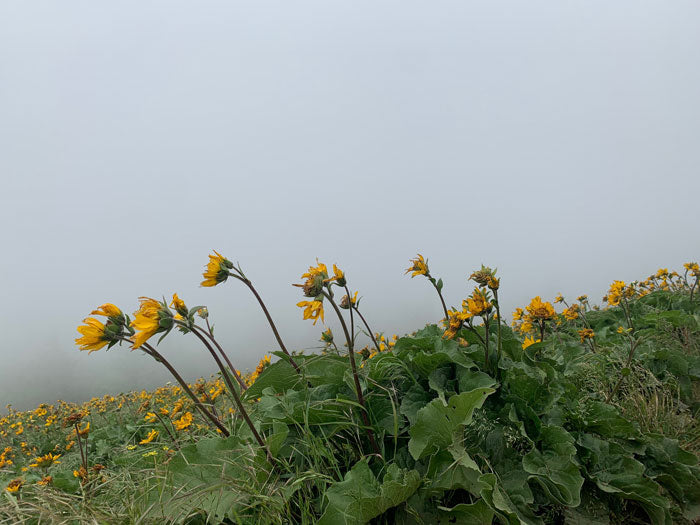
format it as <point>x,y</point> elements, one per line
<point>570,413</point>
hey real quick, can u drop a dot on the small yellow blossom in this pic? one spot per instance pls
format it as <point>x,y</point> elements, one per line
<point>530,341</point>
<point>419,266</point>
<point>312,310</point>
<point>150,437</point>
<point>217,270</point>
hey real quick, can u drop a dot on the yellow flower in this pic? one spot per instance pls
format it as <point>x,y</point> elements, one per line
<point>559,299</point>
<point>150,437</point>
<point>327,336</point>
<point>338,276</point>
<point>315,279</point>
<point>615,293</point>
<point>179,305</point>
<point>45,461</point>
<point>217,270</point>
<point>478,302</point>
<point>312,310</point>
<point>14,485</point>
<point>108,310</point>
<point>45,481</point>
<point>85,430</point>
<point>150,417</point>
<point>571,313</point>
<point>147,320</point>
<point>184,422</point>
<point>586,333</point>
<point>517,315</point>
<point>530,341</point>
<point>131,447</point>
<point>345,303</point>
<point>419,266</point>
<point>93,335</point>
<point>539,309</point>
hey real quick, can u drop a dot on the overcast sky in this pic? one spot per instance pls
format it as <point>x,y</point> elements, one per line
<point>557,141</point>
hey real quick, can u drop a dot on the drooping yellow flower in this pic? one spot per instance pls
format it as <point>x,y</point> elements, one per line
<point>338,276</point>
<point>179,305</point>
<point>345,303</point>
<point>184,422</point>
<point>327,336</point>
<point>14,485</point>
<point>147,320</point>
<point>419,266</point>
<point>217,270</point>
<point>539,309</point>
<point>559,299</point>
<point>93,335</point>
<point>108,310</point>
<point>83,432</point>
<point>312,310</point>
<point>530,341</point>
<point>150,437</point>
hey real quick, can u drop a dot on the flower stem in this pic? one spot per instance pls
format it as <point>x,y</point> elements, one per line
<point>437,289</point>
<point>236,397</point>
<point>249,284</point>
<point>371,334</point>
<point>150,350</point>
<point>353,366</point>
<point>235,372</point>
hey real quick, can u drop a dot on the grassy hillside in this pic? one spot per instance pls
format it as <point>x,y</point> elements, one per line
<point>569,414</point>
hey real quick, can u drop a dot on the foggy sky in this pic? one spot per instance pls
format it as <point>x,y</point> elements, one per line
<point>557,141</point>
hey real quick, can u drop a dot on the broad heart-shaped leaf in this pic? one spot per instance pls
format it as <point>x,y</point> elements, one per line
<point>360,497</point>
<point>279,376</point>
<point>616,472</point>
<point>553,466</point>
<point>413,400</point>
<point>605,420</point>
<point>436,422</point>
<point>499,499</point>
<point>325,369</point>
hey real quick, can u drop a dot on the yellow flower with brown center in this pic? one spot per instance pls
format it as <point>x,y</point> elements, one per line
<point>537,309</point>
<point>571,313</point>
<point>419,266</point>
<point>184,422</point>
<point>46,480</point>
<point>151,318</point>
<point>316,277</point>
<point>217,270</point>
<point>45,461</point>
<point>93,335</point>
<point>530,341</point>
<point>150,437</point>
<point>312,310</point>
<point>14,485</point>
<point>586,333</point>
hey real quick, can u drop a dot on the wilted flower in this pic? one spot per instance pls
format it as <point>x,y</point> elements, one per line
<point>338,276</point>
<point>179,305</point>
<point>315,279</point>
<point>345,302</point>
<point>312,310</point>
<point>586,333</point>
<point>483,276</point>
<point>14,485</point>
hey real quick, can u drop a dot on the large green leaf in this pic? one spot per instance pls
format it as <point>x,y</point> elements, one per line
<point>360,497</point>
<point>553,465</point>
<point>437,421</point>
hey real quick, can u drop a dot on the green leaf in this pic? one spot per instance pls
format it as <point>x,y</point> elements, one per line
<point>279,376</point>
<point>436,422</point>
<point>360,497</point>
<point>554,466</point>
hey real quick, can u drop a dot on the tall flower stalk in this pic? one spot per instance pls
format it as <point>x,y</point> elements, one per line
<point>419,266</point>
<point>219,269</point>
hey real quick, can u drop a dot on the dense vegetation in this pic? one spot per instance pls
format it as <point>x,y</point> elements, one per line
<point>585,416</point>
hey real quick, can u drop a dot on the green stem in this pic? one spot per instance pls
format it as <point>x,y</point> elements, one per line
<point>235,372</point>
<point>369,330</point>
<point>356,379</point>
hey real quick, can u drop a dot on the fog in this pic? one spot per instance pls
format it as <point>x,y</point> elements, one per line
<point>557,141</point>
